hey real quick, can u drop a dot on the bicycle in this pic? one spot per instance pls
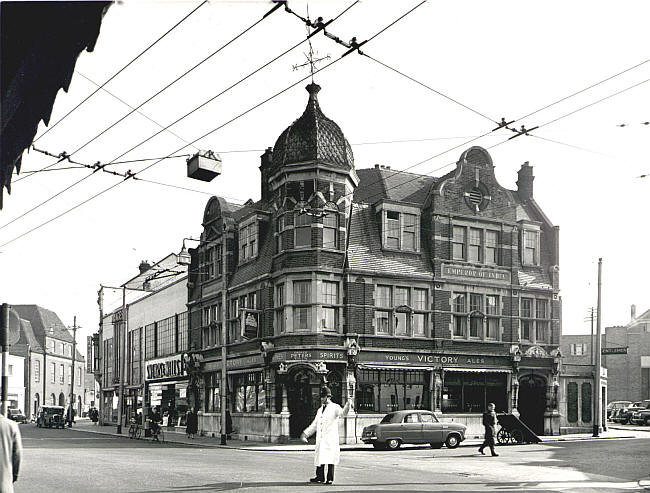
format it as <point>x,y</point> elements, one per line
<point>134,430</point>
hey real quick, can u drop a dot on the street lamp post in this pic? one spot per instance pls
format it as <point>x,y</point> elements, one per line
<point>74,353</point>
<point>184,258</point>
<point>597,395</point>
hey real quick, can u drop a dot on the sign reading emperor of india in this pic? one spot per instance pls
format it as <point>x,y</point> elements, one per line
<point>478,273</point>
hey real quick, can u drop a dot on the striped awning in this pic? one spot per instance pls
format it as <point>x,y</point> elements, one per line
<point>479,370</point>
<point>395,367</point>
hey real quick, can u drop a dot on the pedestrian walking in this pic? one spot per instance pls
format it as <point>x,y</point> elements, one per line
<point>326,427</point>
<point>490,423</point>
<point>191,423</point>
<point>10,454</point>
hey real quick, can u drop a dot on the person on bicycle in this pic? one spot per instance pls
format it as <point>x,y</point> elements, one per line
<point>156,419</point>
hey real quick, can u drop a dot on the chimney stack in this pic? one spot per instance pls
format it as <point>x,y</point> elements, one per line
<point>144,266</point>
<point>525,181</point>
<point>633,312</point>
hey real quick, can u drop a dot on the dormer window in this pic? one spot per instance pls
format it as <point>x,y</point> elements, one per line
<point>248,240</point>
<point>400,229</point>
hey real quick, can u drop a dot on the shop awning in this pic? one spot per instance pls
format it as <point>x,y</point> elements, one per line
<point>245,370</point>
<point>479,370</point>
<point>395,367</point>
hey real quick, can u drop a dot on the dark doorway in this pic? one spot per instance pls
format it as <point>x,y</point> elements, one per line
<point>303,391</point>
<point>532,402</point>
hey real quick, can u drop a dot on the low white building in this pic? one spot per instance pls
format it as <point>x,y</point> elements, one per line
<point>16,391</point>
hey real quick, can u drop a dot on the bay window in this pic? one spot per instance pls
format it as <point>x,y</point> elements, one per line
<point>302,305</point>
<point>330,227</point>
<point>302,230</point>
<point>329,299</point>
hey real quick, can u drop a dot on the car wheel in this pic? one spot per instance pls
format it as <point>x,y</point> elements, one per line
<point>393,444</point>
<point>436,445</point>
<point>647,421</point>
<point>378,446</point>
<point>625,422</point>
<point>502,436</point>
<point>452,441</point>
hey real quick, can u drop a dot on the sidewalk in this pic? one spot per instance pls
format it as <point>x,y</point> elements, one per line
<point>179,437</point>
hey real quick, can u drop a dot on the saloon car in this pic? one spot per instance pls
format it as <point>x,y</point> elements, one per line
<point>613,406</point>
<point>413,426</point>
<point>16,415</point>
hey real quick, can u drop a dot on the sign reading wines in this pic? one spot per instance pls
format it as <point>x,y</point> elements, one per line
<point>613,350</point>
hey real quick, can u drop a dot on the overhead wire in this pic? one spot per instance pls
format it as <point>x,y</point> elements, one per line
<point>482,115</point>
<point>525,116</point>
<point>130,106</point>
<point>206,134</point>
<point>122,69</point>
<point>113,161</point>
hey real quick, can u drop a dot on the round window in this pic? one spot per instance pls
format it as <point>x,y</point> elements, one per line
<point>475,196</point>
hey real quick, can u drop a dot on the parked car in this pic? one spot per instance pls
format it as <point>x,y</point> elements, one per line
<point>614,405</point>
<point>16,415</point>
<point>641,416</point>
<point>415,426</point>
<point>50,416</point>
<point>625,414</point>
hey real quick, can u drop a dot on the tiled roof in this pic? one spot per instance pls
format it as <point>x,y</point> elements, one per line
<point>313,137</point>
<point>384,183</point>
<point>35,324</point>
<point>366,255</point>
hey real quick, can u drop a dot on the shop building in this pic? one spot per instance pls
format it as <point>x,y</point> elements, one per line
<point>401,290</point>
<point>629,370</point>
<point>151,329</point>
<point>45,344</point>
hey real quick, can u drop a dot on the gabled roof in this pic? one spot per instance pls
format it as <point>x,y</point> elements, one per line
<point>380,183</point>
<point>366,255</point>
<point>39,322</point>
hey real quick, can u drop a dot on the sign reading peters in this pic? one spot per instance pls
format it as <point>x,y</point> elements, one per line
<point>475,273</point>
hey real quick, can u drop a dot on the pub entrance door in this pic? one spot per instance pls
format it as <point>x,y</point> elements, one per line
<point>532,402</point>
<point>303,395</point>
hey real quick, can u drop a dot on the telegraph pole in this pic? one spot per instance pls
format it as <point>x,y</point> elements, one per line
<point>4,345</point>
<point>597,403</point>
<point>224,339</point>
<point>122,362</point>
<point>74,354</point>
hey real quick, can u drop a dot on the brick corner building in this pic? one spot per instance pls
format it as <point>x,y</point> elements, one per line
<point>402,290</point>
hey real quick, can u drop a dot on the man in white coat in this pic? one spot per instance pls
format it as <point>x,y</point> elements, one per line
<point>10,454</point>
<point>326,427</point>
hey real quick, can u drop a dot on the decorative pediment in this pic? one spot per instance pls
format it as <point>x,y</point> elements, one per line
<point>536,352</point>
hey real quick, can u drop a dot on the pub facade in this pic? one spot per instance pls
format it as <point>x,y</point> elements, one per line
<point>401,291</point>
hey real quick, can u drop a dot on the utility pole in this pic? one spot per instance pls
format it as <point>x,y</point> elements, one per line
<point>591,346</point>
<point>4,345</point>
<point>224,339</point>
<point>597,403</point>
<point>122,362</point>
<point>74,353</point>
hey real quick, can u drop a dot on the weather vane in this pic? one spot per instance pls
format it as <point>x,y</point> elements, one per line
<point>312,56</point>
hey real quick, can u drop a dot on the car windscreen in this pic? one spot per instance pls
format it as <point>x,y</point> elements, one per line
<point>388,418</point>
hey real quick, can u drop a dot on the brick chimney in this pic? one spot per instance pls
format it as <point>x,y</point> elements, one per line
<point>266,163</point>
<point>144,266</point>
<point>633,312</point>
<point>525,181</point>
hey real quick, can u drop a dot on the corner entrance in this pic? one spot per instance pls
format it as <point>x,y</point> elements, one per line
<point>303,389</point>
<point>532,402</point>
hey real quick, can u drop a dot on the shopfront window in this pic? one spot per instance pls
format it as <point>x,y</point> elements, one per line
<point>383,391</point>
<point>470,392</point>
<point>248,393</point>
<point>212,393</point>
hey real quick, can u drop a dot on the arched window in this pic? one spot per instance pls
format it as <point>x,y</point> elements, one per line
<point>53,399</point>
<point>37,403</point>
<point>61,399</point>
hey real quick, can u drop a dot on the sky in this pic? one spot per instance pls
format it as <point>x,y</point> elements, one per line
<point>495,59</point>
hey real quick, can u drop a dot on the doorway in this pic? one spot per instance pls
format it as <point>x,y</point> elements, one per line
<point>532,402</point>
<point>303,396</point>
